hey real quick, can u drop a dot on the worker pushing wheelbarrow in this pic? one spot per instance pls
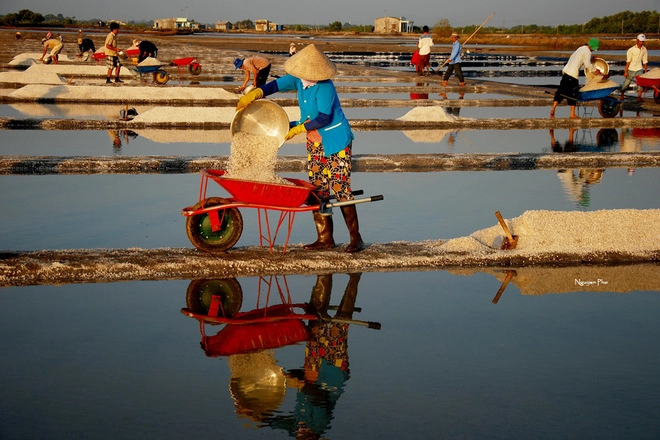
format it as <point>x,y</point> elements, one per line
<point>215,224</point>
<point>598,88</point>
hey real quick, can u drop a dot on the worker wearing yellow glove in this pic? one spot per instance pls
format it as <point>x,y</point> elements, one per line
<point>296,130</point>
<point>249,98</point>
<point>329,138</point>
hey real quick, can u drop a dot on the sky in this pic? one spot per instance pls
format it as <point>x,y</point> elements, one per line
<point>508,13</point>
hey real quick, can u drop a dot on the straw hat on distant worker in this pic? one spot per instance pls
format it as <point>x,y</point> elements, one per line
<point>310,64</point>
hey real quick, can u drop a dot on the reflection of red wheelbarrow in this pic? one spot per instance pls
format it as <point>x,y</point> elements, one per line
<point>650,83</point>
<point>218,301</point>
<point>215,224</point>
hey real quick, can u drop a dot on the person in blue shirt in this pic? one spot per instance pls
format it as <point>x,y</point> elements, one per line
<point>329,138</point>
<point>454,61</point>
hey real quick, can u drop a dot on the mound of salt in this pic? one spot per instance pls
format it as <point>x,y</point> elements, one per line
<point>598,84</point>
<point>150,61</point>
<point>434,113</point>
<point>651,74</point>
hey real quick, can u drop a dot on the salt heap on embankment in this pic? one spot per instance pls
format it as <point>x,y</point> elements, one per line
<point>626,231</point>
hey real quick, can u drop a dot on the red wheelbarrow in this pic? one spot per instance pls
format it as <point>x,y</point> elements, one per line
<point>215,224</point>
<point>650,83</point>
<point>193,65</point>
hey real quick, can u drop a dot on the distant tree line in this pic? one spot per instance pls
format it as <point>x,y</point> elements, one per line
<point>622,23</point>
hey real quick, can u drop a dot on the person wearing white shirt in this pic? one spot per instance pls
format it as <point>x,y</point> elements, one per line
<point>637,63</point>
<point>569,85</point>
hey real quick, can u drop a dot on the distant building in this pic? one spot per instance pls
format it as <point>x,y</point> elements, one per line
<point>223,25</point>
<point>172,24</point>
<point>262,25</point>
<point>392,25</point>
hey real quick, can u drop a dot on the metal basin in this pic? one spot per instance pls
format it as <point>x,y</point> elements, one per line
<point>261,118</point>
<point>602,65</point>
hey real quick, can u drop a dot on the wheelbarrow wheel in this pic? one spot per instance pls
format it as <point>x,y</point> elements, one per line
<point>204,238</point>
<point>161,77</point>
<point>195,68</point>
<point>200,293</point>
<point>609,108</point>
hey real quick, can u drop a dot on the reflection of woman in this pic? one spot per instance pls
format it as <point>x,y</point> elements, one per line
<point>576,185</point>
<point>325,371</point>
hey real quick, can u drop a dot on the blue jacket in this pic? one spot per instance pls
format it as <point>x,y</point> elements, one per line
<point>320,106</point>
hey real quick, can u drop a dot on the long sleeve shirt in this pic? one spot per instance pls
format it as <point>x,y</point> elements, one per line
<point>580,59</point>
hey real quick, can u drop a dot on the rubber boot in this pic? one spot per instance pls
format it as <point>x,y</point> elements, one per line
<point>350,217</point>
<point>320,299</point>
<point>324,230</point>
<point>347,304</point>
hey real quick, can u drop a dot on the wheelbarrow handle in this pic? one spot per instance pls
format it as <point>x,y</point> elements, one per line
<point>353,202</point>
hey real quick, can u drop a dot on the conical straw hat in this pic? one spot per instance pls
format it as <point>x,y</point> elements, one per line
<point>310,64</point>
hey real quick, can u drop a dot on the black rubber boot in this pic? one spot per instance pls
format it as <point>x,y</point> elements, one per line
<point>320,299</point>
<point>347,304</point>
<point>350,217</point>
<point>324,229</point>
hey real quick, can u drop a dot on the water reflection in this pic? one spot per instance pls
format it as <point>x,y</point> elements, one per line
<point>119,137</point>
<point>258,385</point>
<point>606,139</point>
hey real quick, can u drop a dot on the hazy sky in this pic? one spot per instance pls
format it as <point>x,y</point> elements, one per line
<point>508,13</point>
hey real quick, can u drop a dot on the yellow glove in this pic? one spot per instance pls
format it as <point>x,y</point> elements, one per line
<point>295,131</point>
<point>248,98</point>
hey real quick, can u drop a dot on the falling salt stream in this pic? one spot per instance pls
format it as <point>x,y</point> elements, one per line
<point>253,157</point>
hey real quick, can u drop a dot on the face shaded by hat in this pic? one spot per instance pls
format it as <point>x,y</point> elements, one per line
<point>641,37</point>
<point>310,64</point>
<point>238,63</point>
<point>593,44</point>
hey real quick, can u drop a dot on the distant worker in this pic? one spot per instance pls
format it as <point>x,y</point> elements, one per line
<point>18,35</point>
<point>147,49</point>
<point>569,86</point>
<point>81,36</point>
<point>292,49</point>
<point>112,53</point>
<point>637,63</point>
<point>55,45</point>
<point>424,45</point>
<point>257,66</point>
<point>454,61</point>
<point>86,45</point>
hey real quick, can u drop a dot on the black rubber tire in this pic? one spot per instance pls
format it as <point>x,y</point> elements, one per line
<point>198,228</point>
<point>200,292</point>
<point>195,68</point>
<point>609,108</point>
<point>161,77</point>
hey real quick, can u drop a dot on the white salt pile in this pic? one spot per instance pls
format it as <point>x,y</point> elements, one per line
<point>597,83</point>
<point>651,74</point>
<point>622,230</point>
<point>31,77</point>
<point>434,113</point>
<point>150,61</point>
<point>253,158</point>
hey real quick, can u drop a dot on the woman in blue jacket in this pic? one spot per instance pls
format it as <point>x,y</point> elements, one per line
<point>329,137</point>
